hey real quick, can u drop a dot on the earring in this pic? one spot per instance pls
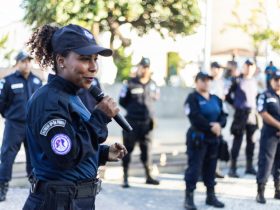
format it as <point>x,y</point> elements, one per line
<point>62,67</point>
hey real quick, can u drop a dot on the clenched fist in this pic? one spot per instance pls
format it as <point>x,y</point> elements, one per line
<point>108,106</point>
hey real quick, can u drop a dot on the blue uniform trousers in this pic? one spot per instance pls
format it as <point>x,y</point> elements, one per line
<point>35,201</point>
<point>201,160</point>
<point>14,136</point>
<point>269,158</point>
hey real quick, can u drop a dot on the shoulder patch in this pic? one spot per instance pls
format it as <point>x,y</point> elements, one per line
<point>187,109</point>
<point>61,144</point>
<point>36,81</point>
<point>124,91</point>
<point>51,124</point>
<point>2,82</point>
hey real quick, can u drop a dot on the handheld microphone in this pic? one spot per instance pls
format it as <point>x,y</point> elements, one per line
<point>98,95</point>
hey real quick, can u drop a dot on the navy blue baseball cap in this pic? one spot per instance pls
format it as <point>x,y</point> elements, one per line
<point>22,55</point>
<point>215,65</point>
<point>248,62</point>
<point>145,62</point>
<point>203,75</point>
<point>78,39</point>
<point>276,75</point>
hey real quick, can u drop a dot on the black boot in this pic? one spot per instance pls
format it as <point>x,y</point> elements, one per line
<point>219,175</point>
<point>149,179</point>
<point>277,189</point>
<point>260,196</point>
<point>249,168</point>
<point>3,190</point>
<point>232,171</point>
<point>212,200</point>
<point>189,203</point>
<point>125,178</point>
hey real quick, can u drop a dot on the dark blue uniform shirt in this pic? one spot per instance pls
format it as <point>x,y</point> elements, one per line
<point>269,102</point>
<point>138,99</point>
<point>15,92</point>
<point>202,112</point>
<point>87,98</point>
<point>64,137</point>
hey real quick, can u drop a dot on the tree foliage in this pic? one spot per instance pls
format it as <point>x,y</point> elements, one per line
<point>168,17</point>
<point>256,26</point>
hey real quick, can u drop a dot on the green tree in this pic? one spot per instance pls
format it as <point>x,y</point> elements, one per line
<point>3,41</point>
<point>256,26</point>
<point>168,17</point>
<point>4,51</point>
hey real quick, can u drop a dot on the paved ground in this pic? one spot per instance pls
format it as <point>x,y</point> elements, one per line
<point>238,194</point>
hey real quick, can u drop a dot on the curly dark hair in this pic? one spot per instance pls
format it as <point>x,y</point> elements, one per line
<point>40,45</point>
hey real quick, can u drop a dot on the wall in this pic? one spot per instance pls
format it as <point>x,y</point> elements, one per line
<point>170,104</point>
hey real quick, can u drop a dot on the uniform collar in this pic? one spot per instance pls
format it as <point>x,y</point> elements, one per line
<point>273,92</point>
<point>18,74</point>
<point>63,84</point>
<point>138,80</point>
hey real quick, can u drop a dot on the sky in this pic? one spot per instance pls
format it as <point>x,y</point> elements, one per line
<point>10,11</point>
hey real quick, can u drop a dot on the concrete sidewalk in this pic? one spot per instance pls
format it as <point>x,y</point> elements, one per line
<point>238,194</point>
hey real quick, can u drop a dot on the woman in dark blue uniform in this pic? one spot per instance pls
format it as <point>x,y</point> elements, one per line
<point>64,137</point>
<point>269,155</point>
<point>206,115</point>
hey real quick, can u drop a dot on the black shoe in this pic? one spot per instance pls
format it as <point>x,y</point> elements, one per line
<point>251,171</point>
<point>277,190</point>
<point>260,196</point>
<point>219,175</point>
<point>212,200</point>
<point>189,203</point>
<point>152,181</point>
<point>3,190</point>
<point>149,179</point>
<point>249,168</point>
<point>125,178</point>
<point>125,185</point>
<point>232,173</point>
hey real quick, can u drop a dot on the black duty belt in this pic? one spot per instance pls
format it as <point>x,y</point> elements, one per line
<point>80,189</point>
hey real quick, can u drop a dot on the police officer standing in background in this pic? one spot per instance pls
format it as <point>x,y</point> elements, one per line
<point>242,96</point>
<point>206,115</point>
<point>137,97</point>
<point>269,108</point>
<point>269,71</point>
<point>16,89</point>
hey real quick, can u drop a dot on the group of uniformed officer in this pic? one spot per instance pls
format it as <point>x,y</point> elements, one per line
<point>204,109</point>
<point>206,114</point>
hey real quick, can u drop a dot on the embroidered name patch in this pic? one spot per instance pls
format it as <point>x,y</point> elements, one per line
<point>61,144</point>
<point>17,85</point>
<point>271,100</point>
<point>51,124</point>
<point>137,90</point>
